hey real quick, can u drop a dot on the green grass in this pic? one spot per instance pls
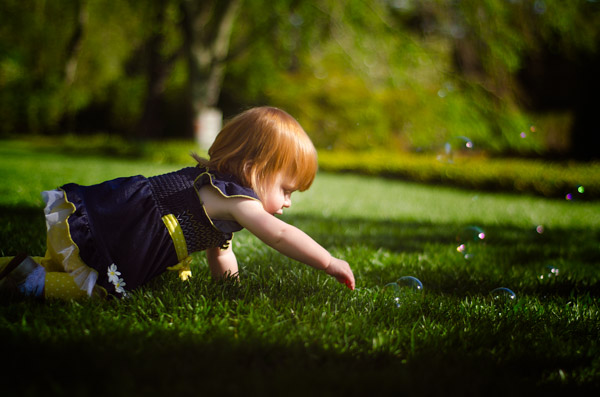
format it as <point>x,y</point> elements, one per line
<point>288,329</point>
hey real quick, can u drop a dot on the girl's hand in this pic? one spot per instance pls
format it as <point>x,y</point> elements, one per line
<point>340,269</point>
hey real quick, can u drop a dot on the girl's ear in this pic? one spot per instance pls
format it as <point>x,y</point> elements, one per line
<point>247,171</point>
<point>248,166</point>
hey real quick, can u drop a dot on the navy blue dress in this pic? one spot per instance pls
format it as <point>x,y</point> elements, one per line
<point>119,223</point>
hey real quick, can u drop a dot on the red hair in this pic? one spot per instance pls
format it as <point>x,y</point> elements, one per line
<point>260,143</point>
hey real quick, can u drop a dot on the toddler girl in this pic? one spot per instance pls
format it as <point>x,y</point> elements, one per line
<point>117,235</point>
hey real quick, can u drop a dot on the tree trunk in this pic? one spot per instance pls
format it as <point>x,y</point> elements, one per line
<point>69,71</point>
<point>207,27</point>
<point>74,46</point>
<point>151,123</point>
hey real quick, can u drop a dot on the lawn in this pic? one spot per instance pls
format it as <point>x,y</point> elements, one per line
<point>287,329</point>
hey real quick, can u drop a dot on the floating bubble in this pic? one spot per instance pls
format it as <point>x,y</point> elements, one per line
<point>552,271</point>
<point>403,287</point>
<point>447,88</point>
<point>503,294</point>
<point>467,142</point>
<point>524,134</point>
<point>539,7</point>
<point>549,272</point>
<point>296,20</point>
<point>456,145</point>
<point>463,249</point>
<point>393,289</point>
<point>471,233</point>
<point>539,229</point>
<point>467,237</point>
<point>577,194</point>
<point>409,284</point>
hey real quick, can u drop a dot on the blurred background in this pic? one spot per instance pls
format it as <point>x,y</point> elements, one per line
<point>519,77</point>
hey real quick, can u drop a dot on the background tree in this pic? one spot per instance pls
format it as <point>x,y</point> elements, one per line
<point>157,57</point>
<point>402,74</point>
<point>207,28</point>
<point>540,57</point>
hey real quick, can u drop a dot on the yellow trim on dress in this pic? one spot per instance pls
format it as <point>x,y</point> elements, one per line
<point>222,194</point>
<point>176,233</point>
<point>210,178</point>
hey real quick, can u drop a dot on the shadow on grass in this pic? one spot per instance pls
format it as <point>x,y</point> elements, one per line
<point>163,364</point>
<point>22,229</point>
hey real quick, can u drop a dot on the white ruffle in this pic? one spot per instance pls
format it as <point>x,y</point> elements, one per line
<point>57,212</point>
<point>53,199</point>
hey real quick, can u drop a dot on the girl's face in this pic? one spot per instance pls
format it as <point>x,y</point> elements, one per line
<point>278,196</point>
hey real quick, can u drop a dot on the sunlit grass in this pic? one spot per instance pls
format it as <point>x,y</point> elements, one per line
<point>288,329</point>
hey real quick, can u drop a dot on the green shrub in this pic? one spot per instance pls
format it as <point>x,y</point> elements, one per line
<point>549,179</point>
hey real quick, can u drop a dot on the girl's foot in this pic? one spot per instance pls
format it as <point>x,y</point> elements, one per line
<point>16,272</point>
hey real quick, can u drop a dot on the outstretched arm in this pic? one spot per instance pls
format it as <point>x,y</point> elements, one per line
<point>285,238</point>
<point>289,240</point>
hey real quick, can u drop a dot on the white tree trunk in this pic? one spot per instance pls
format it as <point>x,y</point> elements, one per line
<point>208,27</point>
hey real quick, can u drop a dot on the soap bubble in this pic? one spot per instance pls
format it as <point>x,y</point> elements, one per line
<point>471,233</point>
<point>403,287</point>
<point>539,7</point>
<point>525,134</point>
<point>552,271</point>
<point>549,272</point>
<point>463,249</point>
<point>409,284</point>
<point>393,289</point>
<point>576,194</point>
<point>503,294</point>
<point>467,237</point>
<point>539,229</point>
<point>455,146</point>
